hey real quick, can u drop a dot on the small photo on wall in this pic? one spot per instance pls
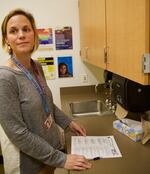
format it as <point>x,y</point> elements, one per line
<point>45,38</point>
<point>65,68</point>
<point>63,38</point>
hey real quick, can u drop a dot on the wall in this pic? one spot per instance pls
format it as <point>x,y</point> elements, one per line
<point>56,13</point>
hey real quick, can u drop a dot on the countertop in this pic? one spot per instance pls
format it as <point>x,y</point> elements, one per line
<point>135,156</point>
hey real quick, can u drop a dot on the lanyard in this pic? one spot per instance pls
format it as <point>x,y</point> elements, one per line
<point>37,83</point>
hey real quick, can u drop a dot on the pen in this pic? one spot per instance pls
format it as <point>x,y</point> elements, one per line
<point>96,158</point>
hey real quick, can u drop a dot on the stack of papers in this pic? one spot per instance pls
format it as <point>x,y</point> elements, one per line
<point>95,146</point>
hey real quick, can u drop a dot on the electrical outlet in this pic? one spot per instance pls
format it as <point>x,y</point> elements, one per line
<point>84,78</point>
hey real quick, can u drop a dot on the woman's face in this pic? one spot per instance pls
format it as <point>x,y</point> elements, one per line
<point>20,35</point>
<point>63,69</point>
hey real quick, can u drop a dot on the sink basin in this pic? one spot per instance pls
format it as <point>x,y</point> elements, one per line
<point>86,108</point>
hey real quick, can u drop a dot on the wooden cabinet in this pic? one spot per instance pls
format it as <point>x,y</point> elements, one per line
<point>117,35</point>
<point>92,31</point>
<point>128,37</point>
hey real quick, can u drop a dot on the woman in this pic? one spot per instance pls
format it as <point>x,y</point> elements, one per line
<point>28,116</point>
<point>63,70</point>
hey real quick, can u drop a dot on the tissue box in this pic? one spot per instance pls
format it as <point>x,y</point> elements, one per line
<point>131,128</point>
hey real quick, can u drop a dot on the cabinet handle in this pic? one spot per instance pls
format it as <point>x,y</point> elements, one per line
<point>85,53</point>
<point>105,54</point>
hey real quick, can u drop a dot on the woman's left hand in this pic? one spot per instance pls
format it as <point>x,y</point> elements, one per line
<point>77,129</point>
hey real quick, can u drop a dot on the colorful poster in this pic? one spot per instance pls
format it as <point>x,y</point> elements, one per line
<point>63,38</point>
<point>45,39</point>
<point>65,68</point>
<point>48,67</point>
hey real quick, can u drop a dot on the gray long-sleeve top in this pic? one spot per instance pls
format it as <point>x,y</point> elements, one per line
<point>22,116</point>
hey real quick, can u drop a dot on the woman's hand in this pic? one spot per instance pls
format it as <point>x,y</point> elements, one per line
<point>77,162</point>
<point>77,129</point>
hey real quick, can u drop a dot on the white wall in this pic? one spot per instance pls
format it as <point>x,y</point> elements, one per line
<point>54,13</point>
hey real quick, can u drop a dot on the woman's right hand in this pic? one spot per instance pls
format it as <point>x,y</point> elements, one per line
<point>77,162</point>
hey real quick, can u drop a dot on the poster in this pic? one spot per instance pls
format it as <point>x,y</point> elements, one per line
<point>48,67</point>
<point>45,39</point>
<point>63,38</point>
<point>65,68</point>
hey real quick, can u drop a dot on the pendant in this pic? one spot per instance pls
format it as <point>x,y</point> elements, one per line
<point>48,122</point>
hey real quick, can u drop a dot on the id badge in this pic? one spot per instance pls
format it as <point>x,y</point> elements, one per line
<point>48,122</point>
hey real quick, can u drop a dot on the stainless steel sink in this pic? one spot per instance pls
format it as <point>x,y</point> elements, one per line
<point>88,108</point>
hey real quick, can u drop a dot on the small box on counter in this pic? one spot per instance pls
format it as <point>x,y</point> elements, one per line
<point>131,128</point>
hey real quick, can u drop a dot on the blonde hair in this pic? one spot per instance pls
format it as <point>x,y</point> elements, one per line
<point>12,13</point>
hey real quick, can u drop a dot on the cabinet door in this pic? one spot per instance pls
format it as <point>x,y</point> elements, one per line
<point>128,37</point>
<point>92,31</point>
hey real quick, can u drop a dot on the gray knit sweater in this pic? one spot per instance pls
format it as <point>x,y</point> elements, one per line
<point>22,116</point>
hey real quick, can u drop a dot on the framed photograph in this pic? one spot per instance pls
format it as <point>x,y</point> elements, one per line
<point>65,68</point>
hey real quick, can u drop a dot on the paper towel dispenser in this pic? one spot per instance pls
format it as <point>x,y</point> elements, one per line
<point>132,96</point>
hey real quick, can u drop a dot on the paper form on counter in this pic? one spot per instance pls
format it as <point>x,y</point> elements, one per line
<point>95,146</point>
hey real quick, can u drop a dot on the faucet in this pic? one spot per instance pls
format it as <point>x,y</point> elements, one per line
<point>96,88</point>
